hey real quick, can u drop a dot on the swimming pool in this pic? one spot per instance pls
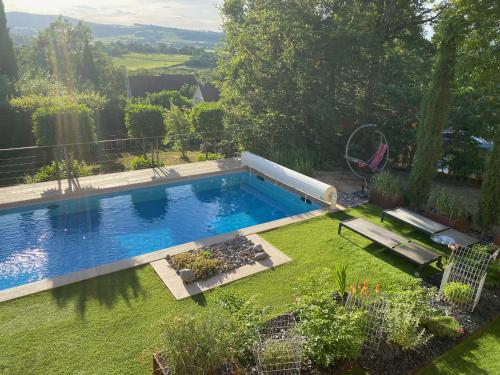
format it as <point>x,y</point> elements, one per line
<point>52,239</point>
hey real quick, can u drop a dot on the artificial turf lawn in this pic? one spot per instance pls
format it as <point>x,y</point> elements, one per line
<point>109,325</point>
<point>478,354</point>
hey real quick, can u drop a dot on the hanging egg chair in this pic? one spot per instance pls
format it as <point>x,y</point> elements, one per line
<point>367,151</point>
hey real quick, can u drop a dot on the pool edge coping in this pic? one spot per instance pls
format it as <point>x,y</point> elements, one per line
<point>139,260</point>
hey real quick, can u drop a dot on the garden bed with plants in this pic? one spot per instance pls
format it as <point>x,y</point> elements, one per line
<point>331,331</point>
<point>200,264</point>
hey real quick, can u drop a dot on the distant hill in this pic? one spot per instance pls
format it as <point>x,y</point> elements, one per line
<point>24,26</point>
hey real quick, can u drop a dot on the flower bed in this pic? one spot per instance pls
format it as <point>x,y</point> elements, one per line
<point>200,264</point>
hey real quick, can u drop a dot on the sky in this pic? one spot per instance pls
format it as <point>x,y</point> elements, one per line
<point>187,14</point>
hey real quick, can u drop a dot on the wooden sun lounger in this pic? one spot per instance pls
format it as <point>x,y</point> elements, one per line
<point>415,220</point>
<point>426,225</point>
<point>394,242</point>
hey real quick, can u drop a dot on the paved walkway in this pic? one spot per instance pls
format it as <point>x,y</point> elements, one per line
<point>46,191</point>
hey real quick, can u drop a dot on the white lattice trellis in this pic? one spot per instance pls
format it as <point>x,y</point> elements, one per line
<point>279,351</point>
<point>465,266</point>
<point>375,307</point>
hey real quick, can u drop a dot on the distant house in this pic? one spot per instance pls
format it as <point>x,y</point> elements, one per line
<point>206,92</point>
<point>139,86</point>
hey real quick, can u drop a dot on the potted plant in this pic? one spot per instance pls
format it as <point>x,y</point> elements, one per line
<point>448,209</point>
<point>386,190</point>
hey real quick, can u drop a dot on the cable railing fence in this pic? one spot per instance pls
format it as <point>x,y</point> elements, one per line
<point>44,163</point>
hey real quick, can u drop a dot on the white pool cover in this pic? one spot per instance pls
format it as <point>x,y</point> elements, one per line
<point>291,178</point>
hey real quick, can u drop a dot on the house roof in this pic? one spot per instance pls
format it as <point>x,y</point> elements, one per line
<point>141,85</point>
<point>210,92</point>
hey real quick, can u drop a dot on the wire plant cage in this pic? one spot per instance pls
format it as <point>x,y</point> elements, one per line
<point>464,277</point>
<point>279,349</point>
<point>375,308</point>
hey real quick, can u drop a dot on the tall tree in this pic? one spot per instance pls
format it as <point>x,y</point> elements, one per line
<point>302,73</point>
<point>489,202</point>
<point>8,65</point>
<point>434,116</point>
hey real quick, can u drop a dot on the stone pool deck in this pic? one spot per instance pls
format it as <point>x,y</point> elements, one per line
<point>19,195</point>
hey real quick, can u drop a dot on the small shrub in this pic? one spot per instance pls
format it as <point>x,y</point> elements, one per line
<point>49,172</point>
<point>457,293</point>
<point>407,310</point>
<point>140,162</point>
<point>197,344</point>
<point>332,333</point>
<point>201,263</point>
<point>387,185</point>
<point>246,318</point>
<point>210,156</point>
<point>493,275</point>
<point>444,326</point>
<point>448,204</point>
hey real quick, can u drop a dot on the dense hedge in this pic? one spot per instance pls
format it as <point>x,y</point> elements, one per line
<point>207,118</point>
<point>144,120</point>
<point>63,124</point>
<point>168,98</point>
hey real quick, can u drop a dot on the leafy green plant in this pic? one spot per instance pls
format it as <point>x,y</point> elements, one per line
<point>302,161</point>
<point>246,318</point>
<point>140,162</point>
<point>458,293</point>
<point>169,98</point>
<point>406,312</point>
<point>332,333</point>
<point>341,279</point>
<point>388,185</point>
<point>448,204</point>
<point>49,172</point>
<point>210,156</point>
<point>197,344</point>
<point>178,126</point>
<point>444,326</point>
<point>493,275</point>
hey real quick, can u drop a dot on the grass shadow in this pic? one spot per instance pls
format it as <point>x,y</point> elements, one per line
<point>107,290</point>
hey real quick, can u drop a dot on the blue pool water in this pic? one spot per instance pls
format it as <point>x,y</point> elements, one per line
<point>42,241</point>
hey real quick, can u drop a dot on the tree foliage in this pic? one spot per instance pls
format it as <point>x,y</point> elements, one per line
<point>489,203</point>
<point>63,124</point>
<point>178,126</point>
<point>8,64</point>
<point>68,54</point>
<point>434,118</point>
<point>169,98</point>
<point>303,74</point>
<point>144,120</point>
<point>207,118</point>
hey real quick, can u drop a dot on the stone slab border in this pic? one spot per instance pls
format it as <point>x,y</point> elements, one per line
<point>180,290</point>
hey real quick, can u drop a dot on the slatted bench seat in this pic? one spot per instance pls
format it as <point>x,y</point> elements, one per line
<point>392,241</point>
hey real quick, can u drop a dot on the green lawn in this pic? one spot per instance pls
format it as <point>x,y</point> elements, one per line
<point>479,354</point>
<point>109,325</point>
<point>135,61</point>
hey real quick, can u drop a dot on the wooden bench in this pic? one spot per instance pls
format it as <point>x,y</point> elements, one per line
<point>392,241</point>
